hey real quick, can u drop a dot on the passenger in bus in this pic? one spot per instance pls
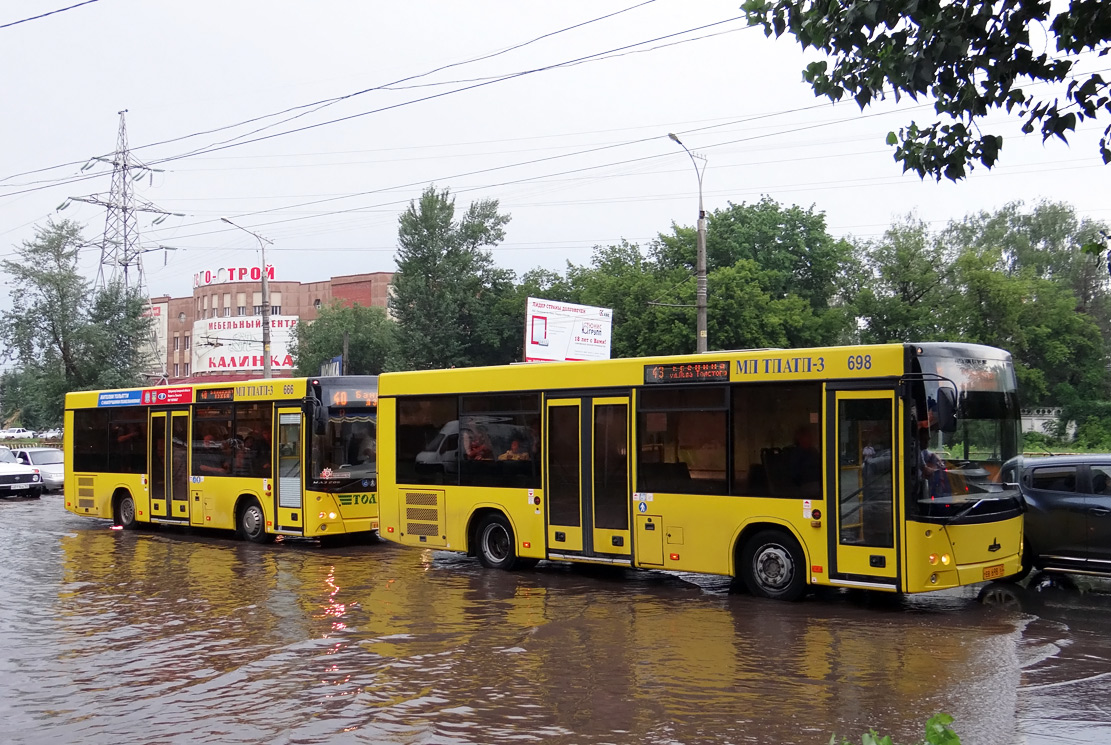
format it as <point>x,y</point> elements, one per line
<point>477,446</point>
<point>213,459</point>
<point>366,452</point>
<point>515,452</point>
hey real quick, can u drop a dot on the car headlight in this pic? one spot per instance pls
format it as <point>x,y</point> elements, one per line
<point>35,477</point>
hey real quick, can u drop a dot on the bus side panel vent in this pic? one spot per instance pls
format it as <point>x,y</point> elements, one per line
<point>424,516</point>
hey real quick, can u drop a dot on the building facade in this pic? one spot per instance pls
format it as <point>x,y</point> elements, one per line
<point>217,331</point>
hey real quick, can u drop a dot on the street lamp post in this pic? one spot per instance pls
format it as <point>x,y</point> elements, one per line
<point>265,299</point>
<point>700,266</point>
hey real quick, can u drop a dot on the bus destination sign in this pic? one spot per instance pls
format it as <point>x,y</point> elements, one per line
<point>687,372</point>
<point>213,395</point>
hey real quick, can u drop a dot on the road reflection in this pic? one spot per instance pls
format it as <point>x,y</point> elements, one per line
<point>169,637</point>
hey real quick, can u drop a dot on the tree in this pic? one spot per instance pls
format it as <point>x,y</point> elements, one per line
<point>446,287</point>
<point>644,299</point>
<point>62,335</point>
<point>1046,241</point>
<point>906,282</point>
<point>371,340</point>
<point>796,256</point>
<point>972,57</point>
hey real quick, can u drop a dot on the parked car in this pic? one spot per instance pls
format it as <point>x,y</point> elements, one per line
<point>49,461</point>
<point>51,434</point>
<point>16,479</point>
<point>16,433</point>
<point>1068,511</point>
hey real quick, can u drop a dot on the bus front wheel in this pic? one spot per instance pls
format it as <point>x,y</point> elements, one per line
<point>773,566</point>
<point>251,525</point>
<point>125,513</point>
<point>496,546</point>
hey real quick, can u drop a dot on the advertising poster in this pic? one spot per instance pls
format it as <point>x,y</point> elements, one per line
<point>556,331</point>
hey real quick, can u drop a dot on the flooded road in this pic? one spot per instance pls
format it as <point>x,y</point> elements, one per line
<point>168,637</point>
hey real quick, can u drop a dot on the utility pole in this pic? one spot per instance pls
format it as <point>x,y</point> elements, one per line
<point>700,265</point>
<point>265,299</point>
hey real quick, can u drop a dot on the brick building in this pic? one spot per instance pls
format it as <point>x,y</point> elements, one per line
<point>217,331</point>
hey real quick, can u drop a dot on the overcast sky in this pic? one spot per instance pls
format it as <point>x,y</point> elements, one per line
<point>574,146</point>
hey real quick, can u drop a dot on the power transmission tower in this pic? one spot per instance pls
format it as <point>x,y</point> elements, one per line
<point>120,249</point>
<point>121,253</point>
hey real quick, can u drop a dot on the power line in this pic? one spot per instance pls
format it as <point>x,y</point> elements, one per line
<point>323,103</point>
<point>509,76</point>
<point>44,15</point>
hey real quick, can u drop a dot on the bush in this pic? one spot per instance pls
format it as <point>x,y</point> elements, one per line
<point>937,733</point>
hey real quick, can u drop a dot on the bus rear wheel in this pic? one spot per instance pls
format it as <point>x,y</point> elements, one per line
<point>496,545</point>
<point>125,513</point>
<point>773,566</point>
<point>251,524</point>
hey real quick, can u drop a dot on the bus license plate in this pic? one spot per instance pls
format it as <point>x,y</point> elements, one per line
<point>993,572</point>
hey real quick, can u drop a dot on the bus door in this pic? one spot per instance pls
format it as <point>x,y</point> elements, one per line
<point>588,478</point>
<point>864,468</point>
<point>169,464</point>
<point>290,478</point>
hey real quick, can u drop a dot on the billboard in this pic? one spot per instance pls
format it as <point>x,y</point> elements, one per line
<point>556,331</point>
<point>235,344</point>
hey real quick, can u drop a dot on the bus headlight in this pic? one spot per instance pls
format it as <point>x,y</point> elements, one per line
<point>945,559</point>
<point>329,515</point>
<point>933,559</point>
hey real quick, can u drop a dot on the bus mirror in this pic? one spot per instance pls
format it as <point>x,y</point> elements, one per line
<point>946,409</point>
<point>316,415</point>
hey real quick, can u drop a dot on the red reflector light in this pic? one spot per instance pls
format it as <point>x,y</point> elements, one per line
<point>140,512</point>
<point>389,529</point>
<point>816,569</point>
<point>675,557</point>
<point>526,544</point>
<point>269,523</point>
<point>208,517</point>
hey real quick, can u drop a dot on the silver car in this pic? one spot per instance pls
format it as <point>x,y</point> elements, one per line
<point>49,461</point>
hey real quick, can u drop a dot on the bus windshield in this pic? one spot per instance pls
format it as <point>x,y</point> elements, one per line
<point>344,453</point>
<point>958,468</point>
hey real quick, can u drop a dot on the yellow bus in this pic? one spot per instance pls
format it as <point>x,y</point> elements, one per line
<point>287,456</point>
<point>857,467</point>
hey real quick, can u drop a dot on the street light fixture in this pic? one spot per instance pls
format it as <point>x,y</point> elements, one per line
<point>700,266</point>
<point>265,299</point>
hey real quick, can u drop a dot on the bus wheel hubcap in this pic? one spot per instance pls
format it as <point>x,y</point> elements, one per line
<point>497,543</point>
<point>773,567</point>
<point>252,520</point>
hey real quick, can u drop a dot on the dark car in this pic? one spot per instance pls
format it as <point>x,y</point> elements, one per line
<point>1068,511</point>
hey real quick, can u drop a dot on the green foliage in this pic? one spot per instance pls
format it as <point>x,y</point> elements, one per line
<point>780,255</point>
<point>447,291</point>
<point>61,335</point>
<point>971,57</point>
<point>371,340</point>
<point>938,732</point>
<point>906,282</point>
<point>642,296</point>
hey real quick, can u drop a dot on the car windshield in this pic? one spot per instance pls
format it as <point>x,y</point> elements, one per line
<point>46,457</point>
<point>7,457</point>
